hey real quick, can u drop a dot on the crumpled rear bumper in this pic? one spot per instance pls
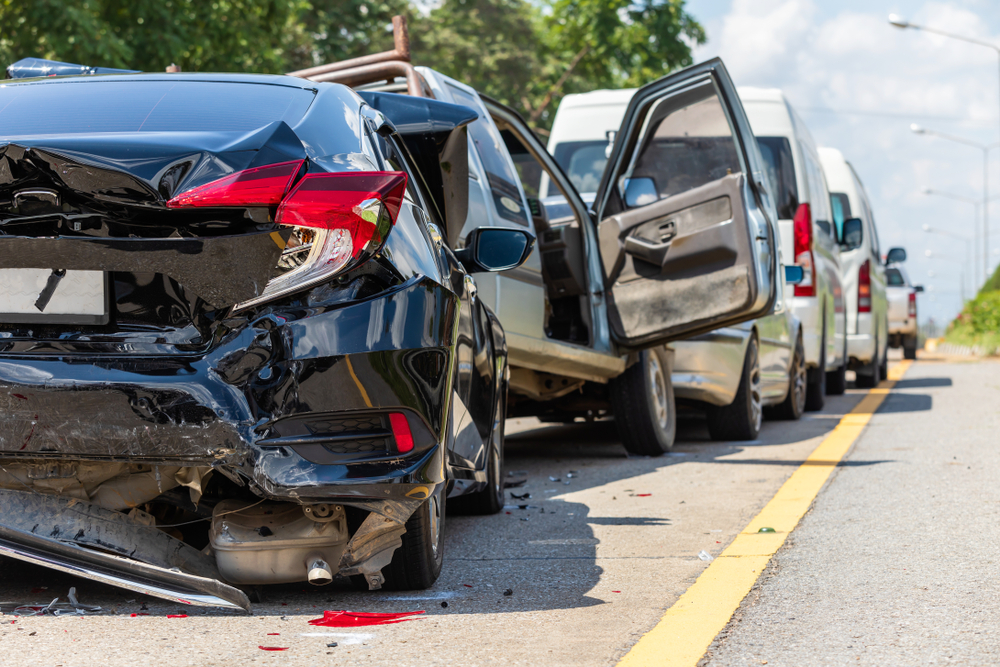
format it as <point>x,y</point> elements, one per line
<point>225,407</point>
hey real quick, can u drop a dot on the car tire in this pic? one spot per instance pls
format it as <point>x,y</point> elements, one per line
<point>795,402</point>
<point>910,347</point>
<point>488,500</point>
<point>883,367</point>
<point>417,564</point>
<point>741,419</point>
<point>643,402</point>
<point>836,381</point>
<point>816,380</point>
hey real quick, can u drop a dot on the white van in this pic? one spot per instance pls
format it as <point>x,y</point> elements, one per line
<point>861,269</point>
<point>807,234</point>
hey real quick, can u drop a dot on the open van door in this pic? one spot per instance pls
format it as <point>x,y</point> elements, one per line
<point>687,228</point>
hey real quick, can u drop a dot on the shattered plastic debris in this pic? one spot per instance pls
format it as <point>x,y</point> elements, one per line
<point>643,495</point>
<point>704,555</point>
<point>444,605</point>
<point>273,648</point>
<point>56,609</point>
<point>523,496</point>
<point>177,615</point>
<point>508,592</point>
<point>355,619</point>
<point>555,479</point>
<point>332,645</point>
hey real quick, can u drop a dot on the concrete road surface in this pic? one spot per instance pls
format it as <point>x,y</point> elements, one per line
<point>895,565</point>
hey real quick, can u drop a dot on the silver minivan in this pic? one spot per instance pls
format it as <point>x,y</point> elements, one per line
<point>808,237</point>
<point>861,269</point>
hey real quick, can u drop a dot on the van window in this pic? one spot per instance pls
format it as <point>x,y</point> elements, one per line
<point>818,198</point>
<point>894,278</point>
<point>777,153</point>
<point>583,162</point>
<point>490,148</point>
<point>841,206</point>
<point>688,143</point>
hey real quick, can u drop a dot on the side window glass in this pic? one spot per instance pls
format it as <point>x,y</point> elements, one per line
<point>841,207</point>
<point>490,148</point>
<point>688,142</point>
<point>777,154</point>
<point>818,197</point>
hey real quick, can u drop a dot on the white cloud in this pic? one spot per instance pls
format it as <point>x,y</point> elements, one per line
<point>853,61</point>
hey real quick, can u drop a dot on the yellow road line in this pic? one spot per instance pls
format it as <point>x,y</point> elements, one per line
<point>687,629</point>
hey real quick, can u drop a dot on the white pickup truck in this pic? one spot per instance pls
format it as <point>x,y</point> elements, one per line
<point>902,297</point>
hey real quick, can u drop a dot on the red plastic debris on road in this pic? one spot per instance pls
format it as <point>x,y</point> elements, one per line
<point>643,495</point>
<point>273,634</point>
<point>273,648</point>
<point>467,585</point>
<point>177,615</point>
<point>140,614</point>
<point>357,619</point>
<point>616,591</point>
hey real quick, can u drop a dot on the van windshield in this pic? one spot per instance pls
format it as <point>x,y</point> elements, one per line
<point>583,162</point>
<point>777,153</point>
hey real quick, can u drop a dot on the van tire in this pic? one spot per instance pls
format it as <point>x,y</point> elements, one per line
<point>868,376</point>
<point>836,380</point>
<point>910,347</point>
<point>816,380</point>
<point>643,402</point>
<point>741,419</point>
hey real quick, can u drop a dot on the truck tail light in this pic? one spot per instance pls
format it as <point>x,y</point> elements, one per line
<point>865,288</point>
<point>802,232</point>
<point>912,305</point>
<point>337,220</point>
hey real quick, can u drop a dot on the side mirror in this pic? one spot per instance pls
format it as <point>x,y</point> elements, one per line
<point>794,274</point>
<point>853,234</point>
<point>495,249</point>
<point>918,288</point>
<point>895,255</point>
<point>640,192</point>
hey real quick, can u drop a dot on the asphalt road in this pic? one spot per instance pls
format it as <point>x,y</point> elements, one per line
<point>595,558</point>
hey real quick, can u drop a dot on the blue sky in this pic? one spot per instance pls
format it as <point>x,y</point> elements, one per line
<point>859,83</point>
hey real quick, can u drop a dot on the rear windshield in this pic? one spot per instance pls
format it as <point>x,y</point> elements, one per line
<point>583,162</point>
<point>894,278</point>
<point>777,152</point>
<point>841,206</point>
<point>72,107</point>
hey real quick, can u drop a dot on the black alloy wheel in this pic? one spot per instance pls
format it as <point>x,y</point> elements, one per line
<point>743,418</point>
<point>489,499</point>
<point>795,401</point>
<point>643,402</point>
<point>417,564</point>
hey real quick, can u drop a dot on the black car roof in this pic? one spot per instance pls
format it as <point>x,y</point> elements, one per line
<point>207,77</point>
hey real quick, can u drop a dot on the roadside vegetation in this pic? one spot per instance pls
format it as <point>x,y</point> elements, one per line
<point>978,325</point>
<point>525,53</point>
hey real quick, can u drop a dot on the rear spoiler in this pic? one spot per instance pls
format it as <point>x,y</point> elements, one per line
<point>33,67</point>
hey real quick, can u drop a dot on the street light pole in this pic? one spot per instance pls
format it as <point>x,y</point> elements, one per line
<point>968,253</point>
<point>899,22</point>
<point>973,257</point>
<point>961,273</point>
<point>985,148</point>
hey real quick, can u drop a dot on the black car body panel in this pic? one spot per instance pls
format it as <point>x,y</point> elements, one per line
<point>289,399</point>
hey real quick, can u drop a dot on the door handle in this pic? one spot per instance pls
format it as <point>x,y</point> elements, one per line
<point>647,251</point>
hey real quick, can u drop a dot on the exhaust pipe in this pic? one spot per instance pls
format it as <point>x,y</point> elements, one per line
<point>320,573</point>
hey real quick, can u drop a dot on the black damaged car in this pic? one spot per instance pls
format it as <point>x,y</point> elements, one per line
<point>234,347</point>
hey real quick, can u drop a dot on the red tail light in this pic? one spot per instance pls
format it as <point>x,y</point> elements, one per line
<point>401,432</point>
<point>261,186</point>
<point>912,306</point>
<point>338,219</point>
<point>802,232</point>
<point>865,288</point>
<point>351,201</point>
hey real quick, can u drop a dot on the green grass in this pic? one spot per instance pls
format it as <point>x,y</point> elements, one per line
<point>979,322</point>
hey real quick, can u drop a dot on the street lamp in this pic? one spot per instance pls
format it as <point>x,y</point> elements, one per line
<point>961,273</point>
<point>901,23</point>
<point>968,251</point>
<point>985,148</point>
<point>974,264</point>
